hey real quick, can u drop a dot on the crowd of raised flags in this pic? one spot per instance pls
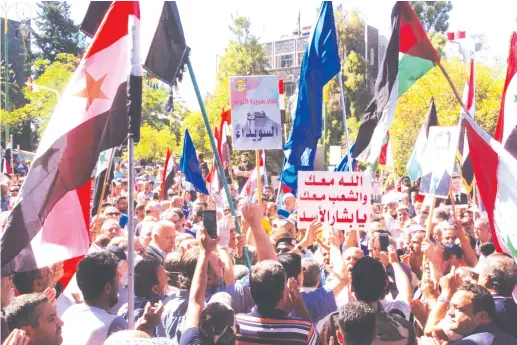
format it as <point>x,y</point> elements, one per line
<point>55,220</point>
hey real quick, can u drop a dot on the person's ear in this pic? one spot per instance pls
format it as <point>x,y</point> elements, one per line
<point>340,338</point>
<point>482,318</point>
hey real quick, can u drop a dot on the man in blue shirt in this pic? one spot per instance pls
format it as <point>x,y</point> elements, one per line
<point>121,205</point>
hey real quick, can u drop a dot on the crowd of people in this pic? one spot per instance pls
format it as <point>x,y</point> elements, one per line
<point>402,282</point>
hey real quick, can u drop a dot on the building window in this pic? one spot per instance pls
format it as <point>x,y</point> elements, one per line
<point>284,61</point>
<point>300,58</point>
<point>269,63</point>
<point>289,88</point>
<point>372,57</point>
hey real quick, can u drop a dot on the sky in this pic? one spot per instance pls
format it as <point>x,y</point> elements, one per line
<point>206,23</point>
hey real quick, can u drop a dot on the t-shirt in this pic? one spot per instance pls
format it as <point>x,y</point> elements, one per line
<point>274,328</point>
<point>487,335</point>
<point>241,180</point>
<point>88,325</point>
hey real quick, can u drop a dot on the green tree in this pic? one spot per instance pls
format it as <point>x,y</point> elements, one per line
<point>56,32</point>
<point>15,93</point>
<point>153,143</point>
<point>412,107</point>
<point>350,32</point>
<point>243,56</point>
<point>434,15</point>
<point>42,99</point>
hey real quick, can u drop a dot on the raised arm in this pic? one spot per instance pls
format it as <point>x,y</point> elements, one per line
<point>198,289</point>
<point>401,279</point>
<point>253,214</point>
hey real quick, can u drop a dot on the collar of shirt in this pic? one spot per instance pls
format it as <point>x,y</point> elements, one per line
<point>272,314</point>
<point>162,253</point>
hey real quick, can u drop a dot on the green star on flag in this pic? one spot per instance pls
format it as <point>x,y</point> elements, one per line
<point>102,162</point>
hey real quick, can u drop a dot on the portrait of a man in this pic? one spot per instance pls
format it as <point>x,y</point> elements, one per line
<point>440,159</point>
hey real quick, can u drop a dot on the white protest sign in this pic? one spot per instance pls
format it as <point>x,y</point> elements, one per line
<point>256,120</point>
<point>341,199</point>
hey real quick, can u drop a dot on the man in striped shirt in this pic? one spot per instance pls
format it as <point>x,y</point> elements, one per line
<point>269,322</point>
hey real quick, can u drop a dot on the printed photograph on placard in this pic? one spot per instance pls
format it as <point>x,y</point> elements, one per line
<point>256,120</point>
<point>440,155</point>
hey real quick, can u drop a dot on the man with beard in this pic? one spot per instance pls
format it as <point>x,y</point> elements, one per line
<point>34,317</point>
<point>243,170</point>
<point>98,278</point>
<point>121,205</point>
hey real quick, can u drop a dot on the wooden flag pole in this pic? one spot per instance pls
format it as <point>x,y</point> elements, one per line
<point>453,203</point>
<point>259,180</point>
<point>428,236</point>
<point>456,94</point>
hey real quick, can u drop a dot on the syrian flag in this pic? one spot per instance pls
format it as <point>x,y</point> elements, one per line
<point>494,169</point>
<point>166,54</point>
<point>169,172</point>
<point>469,99</point>
<point>101,169</point>
<point>415,162</point>
<point>49,222</point>
<point>506,130</point>
<point>250,185</point>
<point>408,57</point>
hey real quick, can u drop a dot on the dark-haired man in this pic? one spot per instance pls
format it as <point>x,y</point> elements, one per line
<point>34,314</point>
<point>98,278</point>
<point>370,284</point>
<point>471,315</point>
<point>150,287</point>
<point>272,292</point>
<point>357,324</point>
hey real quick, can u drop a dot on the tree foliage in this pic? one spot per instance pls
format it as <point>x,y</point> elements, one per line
<point>153,143</point>
<point>15,93</point>
<point>434,15</point>
<point>350,32</point>
<point>57,32</point>
<point>42,99</point>
<point>412,107</point>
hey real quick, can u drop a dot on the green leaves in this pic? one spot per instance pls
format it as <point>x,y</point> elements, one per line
<point>413,105</point>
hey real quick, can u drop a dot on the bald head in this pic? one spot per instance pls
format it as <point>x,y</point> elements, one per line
<point>351,255</point>
<point>164,235</point>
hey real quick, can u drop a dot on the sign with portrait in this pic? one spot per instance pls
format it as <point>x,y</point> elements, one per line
<point>439,161</point>
<point>256,120</point>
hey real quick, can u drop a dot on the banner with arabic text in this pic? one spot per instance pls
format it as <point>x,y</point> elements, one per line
<point>256,120</point>
<point>341,199</point>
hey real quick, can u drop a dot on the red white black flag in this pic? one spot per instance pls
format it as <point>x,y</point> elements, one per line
<point>49,223</point>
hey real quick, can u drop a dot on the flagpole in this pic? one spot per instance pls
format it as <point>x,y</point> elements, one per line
<point>259,182</point>
<point>343,110</point>
<point>456,94</point>
<point>216,155</point>
<point>131,233</point>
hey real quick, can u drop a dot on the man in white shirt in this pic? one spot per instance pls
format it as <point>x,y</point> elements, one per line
<point>89,323</point>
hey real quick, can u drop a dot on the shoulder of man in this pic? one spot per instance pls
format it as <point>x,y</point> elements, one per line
<point>394,329</point>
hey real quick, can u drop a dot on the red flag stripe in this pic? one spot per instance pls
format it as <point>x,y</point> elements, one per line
<point>110,32</point>
<point>485,162</point>
<point>510,72</point>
